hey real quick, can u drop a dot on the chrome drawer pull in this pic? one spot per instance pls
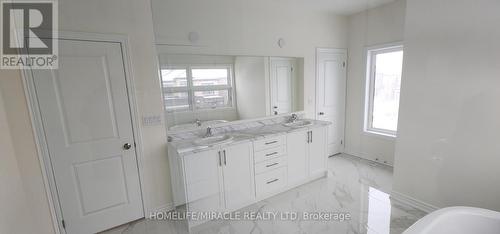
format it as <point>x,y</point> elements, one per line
<point>224,157</point>
<point>271,142</point>
<point>272,181</point>
<point>270,165</point>
<point>273,153</point>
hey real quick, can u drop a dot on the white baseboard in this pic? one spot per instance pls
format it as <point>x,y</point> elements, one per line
<point>366,156</point>
<point>407,200</point>
<point>164,208</point>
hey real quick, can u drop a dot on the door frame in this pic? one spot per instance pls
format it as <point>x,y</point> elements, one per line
<point>316,88</point>
<point>39,132</point>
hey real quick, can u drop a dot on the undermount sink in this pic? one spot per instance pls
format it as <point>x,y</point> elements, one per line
<point>191,126</point>
<point>206,141</point>
<point>299,123</point>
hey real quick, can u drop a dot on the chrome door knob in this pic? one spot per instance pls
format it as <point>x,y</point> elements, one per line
<point>127,146</point>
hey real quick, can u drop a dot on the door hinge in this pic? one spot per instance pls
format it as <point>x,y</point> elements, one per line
<point>135,145</point>
<point>343,64</point>
<point>291,69</point>
<point>341,142</point>
<point>63,224</point>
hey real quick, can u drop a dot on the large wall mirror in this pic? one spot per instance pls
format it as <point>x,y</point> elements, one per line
<point>202,90</point>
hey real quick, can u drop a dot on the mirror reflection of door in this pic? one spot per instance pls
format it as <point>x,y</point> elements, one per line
<point>281,80</point>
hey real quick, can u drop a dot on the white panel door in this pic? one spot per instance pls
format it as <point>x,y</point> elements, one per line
<point>297,151</point>
<point>330,94</point>
<point>238,173</point>
<point>281,79</point>
<point>87,122</point>
<point>317,151</point>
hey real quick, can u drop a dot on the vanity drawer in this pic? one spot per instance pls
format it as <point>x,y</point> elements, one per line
<point>269,142</point>
<point>271,181</point>
<point>269,153</point>
<point>270,164</point>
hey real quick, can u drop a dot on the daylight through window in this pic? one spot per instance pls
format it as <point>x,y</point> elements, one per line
<point>384,71</point>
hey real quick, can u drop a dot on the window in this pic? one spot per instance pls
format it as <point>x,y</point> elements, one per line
<point>191,87</point>
<point>384,68</point>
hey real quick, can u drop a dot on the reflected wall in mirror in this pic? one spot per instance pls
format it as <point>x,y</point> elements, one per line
<point>202,90</point>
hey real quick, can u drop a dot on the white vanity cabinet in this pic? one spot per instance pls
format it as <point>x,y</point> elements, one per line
<point>229,177</point>
<point>220,179</point>
<point>270,166</point>
<point>317,153</point>
<point>238,175</point>
<point>202,174</point>
<point>297,147</point>
<point>306,155</point>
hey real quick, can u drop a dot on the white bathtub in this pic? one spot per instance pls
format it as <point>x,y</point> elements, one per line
<point>458,220</point>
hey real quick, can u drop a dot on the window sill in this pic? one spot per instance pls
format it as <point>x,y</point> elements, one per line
<point>384,135</point>
<point>229,108</point>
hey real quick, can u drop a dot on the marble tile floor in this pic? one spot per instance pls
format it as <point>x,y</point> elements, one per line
<point>354,187</point>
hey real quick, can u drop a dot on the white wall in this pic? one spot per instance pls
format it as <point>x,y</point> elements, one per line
<point>241,27</point>
<point>23,202</point>
<point>252,83</point>
<point>381,25</point>
<point>448,151</point>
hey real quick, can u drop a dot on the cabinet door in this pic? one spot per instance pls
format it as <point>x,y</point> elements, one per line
<point>203,172</point>
<point>297,149</point>
<point>238,175</point>
<point>317,151</point>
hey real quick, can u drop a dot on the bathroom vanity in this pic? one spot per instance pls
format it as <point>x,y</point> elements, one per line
<point>244,163</point>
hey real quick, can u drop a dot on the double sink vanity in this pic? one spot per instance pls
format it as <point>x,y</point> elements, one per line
<point>225,168</point>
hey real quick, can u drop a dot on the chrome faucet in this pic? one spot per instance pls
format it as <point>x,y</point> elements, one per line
<point>293,118</point>
<point>198,122</point>
<point>209,132</point>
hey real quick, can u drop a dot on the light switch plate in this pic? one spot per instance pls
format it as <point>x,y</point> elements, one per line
<point>151,120</point>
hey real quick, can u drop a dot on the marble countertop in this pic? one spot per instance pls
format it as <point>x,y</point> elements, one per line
<point>187,146</point>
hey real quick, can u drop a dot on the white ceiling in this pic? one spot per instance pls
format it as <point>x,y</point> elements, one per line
<point>341,7</point>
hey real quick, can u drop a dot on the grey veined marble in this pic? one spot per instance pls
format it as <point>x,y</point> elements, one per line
<point>354,187</point>
<point>184,142</point>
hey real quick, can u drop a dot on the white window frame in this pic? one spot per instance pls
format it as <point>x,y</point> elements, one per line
<point>191,89</point>
<point>371,53</point>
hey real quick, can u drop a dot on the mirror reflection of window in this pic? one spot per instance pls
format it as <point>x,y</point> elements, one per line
<point>210,76</point>
<point>174,77</point>
<point>201,90</point>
